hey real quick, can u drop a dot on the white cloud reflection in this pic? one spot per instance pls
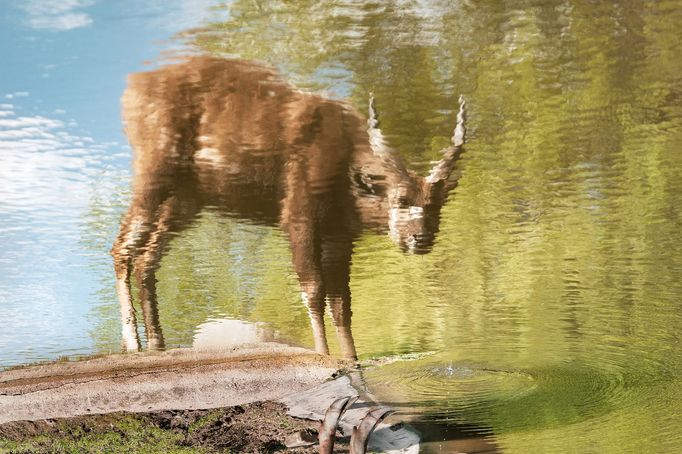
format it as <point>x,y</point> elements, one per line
<point>41,161</point>
<point>16,94</point>
<point>179,15</point>
<point>57,15</point>
<point>49,175</point>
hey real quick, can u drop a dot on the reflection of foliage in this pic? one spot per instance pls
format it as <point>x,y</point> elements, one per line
<point>560,245</point>
<point>350,51</point>
<point>221,268</point>
<point>563,235</point>
<point>572,117</point>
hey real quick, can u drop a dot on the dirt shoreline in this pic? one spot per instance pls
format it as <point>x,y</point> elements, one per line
<point>171,380</point>
<point>248,398</point>
<point>183,400</point>
<point>243,399</point>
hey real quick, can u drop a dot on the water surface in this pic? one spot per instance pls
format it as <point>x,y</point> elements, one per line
<point>547,314</point>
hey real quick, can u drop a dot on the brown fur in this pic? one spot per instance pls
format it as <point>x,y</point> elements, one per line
<point>232,135</point>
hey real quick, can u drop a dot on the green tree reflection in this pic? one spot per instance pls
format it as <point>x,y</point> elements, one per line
<point>560,249</point>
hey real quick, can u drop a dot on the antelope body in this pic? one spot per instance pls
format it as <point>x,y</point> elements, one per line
<point>232,135</point>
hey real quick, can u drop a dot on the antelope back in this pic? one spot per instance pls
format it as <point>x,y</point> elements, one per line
<point>234,123</point>
<point>233,134</point>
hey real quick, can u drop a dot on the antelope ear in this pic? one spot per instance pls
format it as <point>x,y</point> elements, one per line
<point>443,168</point>
<point>460,130</point>
<point>376,137</point>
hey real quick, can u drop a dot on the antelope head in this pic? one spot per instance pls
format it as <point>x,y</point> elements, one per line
<point>414,201</point>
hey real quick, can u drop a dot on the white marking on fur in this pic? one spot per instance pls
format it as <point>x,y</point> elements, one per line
<point>211,155</point>
<point>416,212</point>
<point>134,235</point>
<point>396,218</point>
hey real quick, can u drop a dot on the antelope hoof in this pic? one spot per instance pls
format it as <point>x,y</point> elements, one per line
<point>361,433</point>
<point>331,421</point>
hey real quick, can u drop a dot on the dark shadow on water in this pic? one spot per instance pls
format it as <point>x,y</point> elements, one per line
<point>451,438</point>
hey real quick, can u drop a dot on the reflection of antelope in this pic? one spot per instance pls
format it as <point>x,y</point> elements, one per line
<point>232,135</point>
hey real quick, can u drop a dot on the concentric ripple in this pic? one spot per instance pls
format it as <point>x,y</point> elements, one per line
<point>509,399</point>
<point>441,387</point>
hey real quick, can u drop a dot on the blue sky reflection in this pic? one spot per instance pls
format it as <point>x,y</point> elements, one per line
<point>63,154</point>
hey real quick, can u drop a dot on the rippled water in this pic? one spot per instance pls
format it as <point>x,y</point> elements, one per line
<point>547,312</point>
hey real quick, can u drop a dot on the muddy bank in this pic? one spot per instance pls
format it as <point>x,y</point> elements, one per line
<point>180,379</point>
<point>257,427</point>
<point>243,399</point>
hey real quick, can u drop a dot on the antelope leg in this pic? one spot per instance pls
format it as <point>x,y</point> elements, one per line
<point>123,252</point>
<point>146,265</point>
<point>336,258</point>
<point>307,266</point>
<point>297,219</point>
<point>331,421</point>
<point>172,216</point>
<point>360,437</point>
<point>139,228</point>
<point>130,341</point>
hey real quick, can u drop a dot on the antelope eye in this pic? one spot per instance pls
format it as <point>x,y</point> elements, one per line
<point>403,202</point>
